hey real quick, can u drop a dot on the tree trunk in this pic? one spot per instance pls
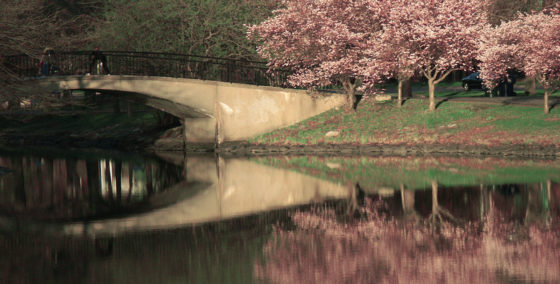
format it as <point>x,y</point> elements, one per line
<point>399,100</point>
<point>431,90</point>
<point>530,86</point>
<point>351,99</point>
<point>546,108</point>
<point>349,85</point>
<point>405,90</point>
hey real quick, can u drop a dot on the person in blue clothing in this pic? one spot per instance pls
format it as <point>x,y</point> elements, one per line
<point>47,64</point>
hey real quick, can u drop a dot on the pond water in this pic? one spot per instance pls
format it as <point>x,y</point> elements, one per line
<point>112,217</point>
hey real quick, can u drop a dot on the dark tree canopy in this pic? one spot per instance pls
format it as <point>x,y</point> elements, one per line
<point>200,27</point>
<point>505,10</point>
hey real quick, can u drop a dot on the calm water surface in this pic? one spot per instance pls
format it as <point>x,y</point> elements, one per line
<point>96,217</point>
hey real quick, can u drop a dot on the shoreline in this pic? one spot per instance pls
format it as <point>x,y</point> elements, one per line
<point>136,142</point>
<point>504,151</point>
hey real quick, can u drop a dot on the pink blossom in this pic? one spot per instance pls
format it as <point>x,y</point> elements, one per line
<point>530,43</point>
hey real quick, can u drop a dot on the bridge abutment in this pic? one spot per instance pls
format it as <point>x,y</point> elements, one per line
<point>200,130</point>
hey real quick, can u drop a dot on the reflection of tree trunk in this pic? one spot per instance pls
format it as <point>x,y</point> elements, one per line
<point>484,197</point>
<point>439,213</point>
<point>73,179</point>
<point>19,187</point>
<point>548,190</point>
<point>490,215</point>
<point>541,204</point>
<point>118,179</point>
<point>93,182</point>
<point>49,171</point>
<point>547,205</point>
<point>435,205</point>
<point>109,178</point>
<point>82,181</point>
<point>130,182</point>
<point>354,192</point>
<point>149,186</point>
<point>408,201</point>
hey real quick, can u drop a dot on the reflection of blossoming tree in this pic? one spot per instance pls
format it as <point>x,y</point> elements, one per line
<point>382,249</point>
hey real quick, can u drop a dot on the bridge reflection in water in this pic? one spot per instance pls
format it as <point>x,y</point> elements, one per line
<point>110,196</point>
<point>226,188</point>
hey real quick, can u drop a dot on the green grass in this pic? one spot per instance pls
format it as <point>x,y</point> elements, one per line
<point>452,122</point>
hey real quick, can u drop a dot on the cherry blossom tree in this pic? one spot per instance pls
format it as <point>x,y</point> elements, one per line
<point>348,41</point>
<point>321,41</point>
<point>543,52</point>
<point>506,10</point>
<point>500,50</point>
<point>384,57</point>
<point>435,37</point>
<point>530,43</point>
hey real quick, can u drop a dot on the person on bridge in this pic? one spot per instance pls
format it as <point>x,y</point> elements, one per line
<point>47,65</point>
<point>98,63</point>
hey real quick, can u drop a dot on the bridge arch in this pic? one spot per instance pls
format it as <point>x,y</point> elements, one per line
<point>211,111</point>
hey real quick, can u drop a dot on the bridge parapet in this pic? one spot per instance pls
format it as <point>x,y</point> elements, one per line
<point>156,64</point>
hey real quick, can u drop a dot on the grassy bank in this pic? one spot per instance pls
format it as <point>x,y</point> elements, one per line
<point>458,123</point>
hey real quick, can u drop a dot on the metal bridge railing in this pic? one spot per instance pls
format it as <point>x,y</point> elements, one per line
<point>155,64</point>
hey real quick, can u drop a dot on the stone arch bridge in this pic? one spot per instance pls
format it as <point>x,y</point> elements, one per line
<point>217,99</point>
